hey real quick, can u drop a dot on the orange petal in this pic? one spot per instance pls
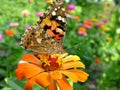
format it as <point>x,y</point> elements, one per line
<point>30,84</point>
<point>70,75</point>
<point>30,70</point>
<point>55,75</point>
<point>64,84</point>
<point>19,73</point>
<point>52,85</point>
<point>31,58</point>
<point>43,79</point>
<point>82,76</point>
<point>73,64</point>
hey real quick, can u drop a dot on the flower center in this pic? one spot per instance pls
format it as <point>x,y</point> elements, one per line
<point>50,62</point>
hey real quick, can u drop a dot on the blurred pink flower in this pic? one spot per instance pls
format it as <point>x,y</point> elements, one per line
<point>39,14</point>
<point>16,43</point>
<point>105,20</point>
<point>29,1</point>
<point>88,24</point>
<point>108,15</point>
<point>80,24</point>
<point>71,7</point>
<point>27,27</point>
<point>1,37</point>
<point>99,24</point>
<point>82,31</point>
<point>25,13</point>
<point>14,24</point>
<point>100,32</point>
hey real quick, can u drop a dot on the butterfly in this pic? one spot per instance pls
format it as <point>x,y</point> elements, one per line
<point>48,35</point>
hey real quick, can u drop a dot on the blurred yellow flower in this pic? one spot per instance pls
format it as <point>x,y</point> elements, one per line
<point>94,20</point>
<point>25,13</point>
<point>108,3</point>
<point>108,39</point>
<point>104,28</point>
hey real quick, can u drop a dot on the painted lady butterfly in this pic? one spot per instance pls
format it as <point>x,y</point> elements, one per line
<point>47,36</point>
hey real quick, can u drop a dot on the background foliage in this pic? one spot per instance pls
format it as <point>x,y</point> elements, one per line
<point>99,49</point>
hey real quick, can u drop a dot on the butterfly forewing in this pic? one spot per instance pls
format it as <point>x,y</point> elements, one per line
<point>48,35</point>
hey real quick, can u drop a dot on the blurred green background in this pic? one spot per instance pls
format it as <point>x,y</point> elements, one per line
<point>93,33</point>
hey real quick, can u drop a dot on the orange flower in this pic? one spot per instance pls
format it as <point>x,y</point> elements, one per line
<point>76,17</point>
<point>50,70</point>
<point>9,32</point>
<point>97,60</point>
<point>82,31</point>
<point>49,1</point>
<point>68,12</point>
<point>88,24</point>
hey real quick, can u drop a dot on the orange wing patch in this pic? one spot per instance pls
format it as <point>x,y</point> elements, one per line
<point>52,28</point>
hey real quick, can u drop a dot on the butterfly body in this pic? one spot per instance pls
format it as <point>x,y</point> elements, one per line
<point>47,36</point>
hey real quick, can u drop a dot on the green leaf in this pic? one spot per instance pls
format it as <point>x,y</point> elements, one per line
<point>7,88</point>
<point>77,86</point>
<point>13,84</point>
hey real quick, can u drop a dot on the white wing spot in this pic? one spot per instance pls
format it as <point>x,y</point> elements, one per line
<point>53,13</point>
<point>39,40</point>
<point>63,19</point>
<point>55,9</point>
<point>63,9</point>
<point>59,18</point>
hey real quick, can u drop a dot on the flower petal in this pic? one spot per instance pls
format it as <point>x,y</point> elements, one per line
<point>72,65</point>
<point>30,84</point>
<point>43,79</point>
<point>19,73</point>
<point>64,84</point>
<point>29,70</point>
<point>55,75</point>
<point>31,58</point>
<point>70,75</point>
<point>71,58</point>
<point>82,76</point>
<point>52,85</point>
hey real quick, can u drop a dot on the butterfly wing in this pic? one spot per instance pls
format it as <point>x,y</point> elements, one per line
<point>48,35</point>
